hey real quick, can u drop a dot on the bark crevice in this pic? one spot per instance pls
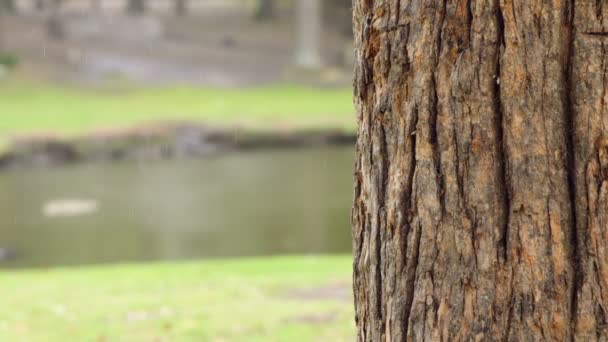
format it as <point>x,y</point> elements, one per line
<point>501,143</point>
<point>575,257</point>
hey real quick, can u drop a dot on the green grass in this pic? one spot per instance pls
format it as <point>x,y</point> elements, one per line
<point>273,299</point>
<point>30,107</point>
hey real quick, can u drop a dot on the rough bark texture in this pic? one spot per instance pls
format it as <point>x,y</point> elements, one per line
<point>481,195</point>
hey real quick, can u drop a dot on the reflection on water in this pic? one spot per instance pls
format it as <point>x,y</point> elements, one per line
<point>258,203</point>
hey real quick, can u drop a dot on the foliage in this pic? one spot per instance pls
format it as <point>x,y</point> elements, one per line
<point>8,61</point>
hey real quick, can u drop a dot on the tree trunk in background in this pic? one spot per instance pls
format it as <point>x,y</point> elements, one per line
<point>338,14</point>
<point>309,29</point>
<point>481,195</point>
<point>54,23</point>
<point>266,10</point>
<point>1,34</point>
<point>136,7</point>
<point>181,7</point>
<point>96,6</point>
<point>39,5</point>
<point>8,6</point>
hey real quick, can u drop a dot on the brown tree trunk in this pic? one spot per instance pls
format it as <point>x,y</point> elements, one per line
<point>481,195</point>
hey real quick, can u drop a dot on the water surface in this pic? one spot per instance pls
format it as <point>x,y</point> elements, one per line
<point>247,204</point>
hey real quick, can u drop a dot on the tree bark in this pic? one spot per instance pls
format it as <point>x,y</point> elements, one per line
<point>481,181</point>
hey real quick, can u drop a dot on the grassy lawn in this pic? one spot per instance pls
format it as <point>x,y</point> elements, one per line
<point>30,107</point>
<point>273,299</point>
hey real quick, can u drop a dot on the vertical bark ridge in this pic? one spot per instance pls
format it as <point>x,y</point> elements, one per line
<point>588,92</point>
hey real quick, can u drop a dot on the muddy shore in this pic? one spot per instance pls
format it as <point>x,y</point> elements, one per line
<point>166,142</point>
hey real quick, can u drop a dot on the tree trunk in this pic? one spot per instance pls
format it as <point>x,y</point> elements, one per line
<point>8,6</point>
<point>55,27</point>
<point>136,7</point>
<point>39,5</point>
<point>266,10</point>
<point>309,29</point>
<point>96,6</point>
<point>181,7</point>
<point>338,14</point>
<point>481,195</point>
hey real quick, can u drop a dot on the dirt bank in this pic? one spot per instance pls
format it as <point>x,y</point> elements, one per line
<point>158,142</point>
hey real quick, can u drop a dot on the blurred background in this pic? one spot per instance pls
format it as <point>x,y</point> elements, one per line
<point>175,170</point>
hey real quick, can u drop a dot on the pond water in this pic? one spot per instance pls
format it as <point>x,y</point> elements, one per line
<point>245,204</point>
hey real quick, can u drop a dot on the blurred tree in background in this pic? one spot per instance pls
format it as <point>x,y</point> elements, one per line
<point>96,5</point>
<point>266,10</point>
<point>339,13</point>
<point>136,7</point>
<point>181,7</point>
<point>7,6</point>
<point>54,25</point>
